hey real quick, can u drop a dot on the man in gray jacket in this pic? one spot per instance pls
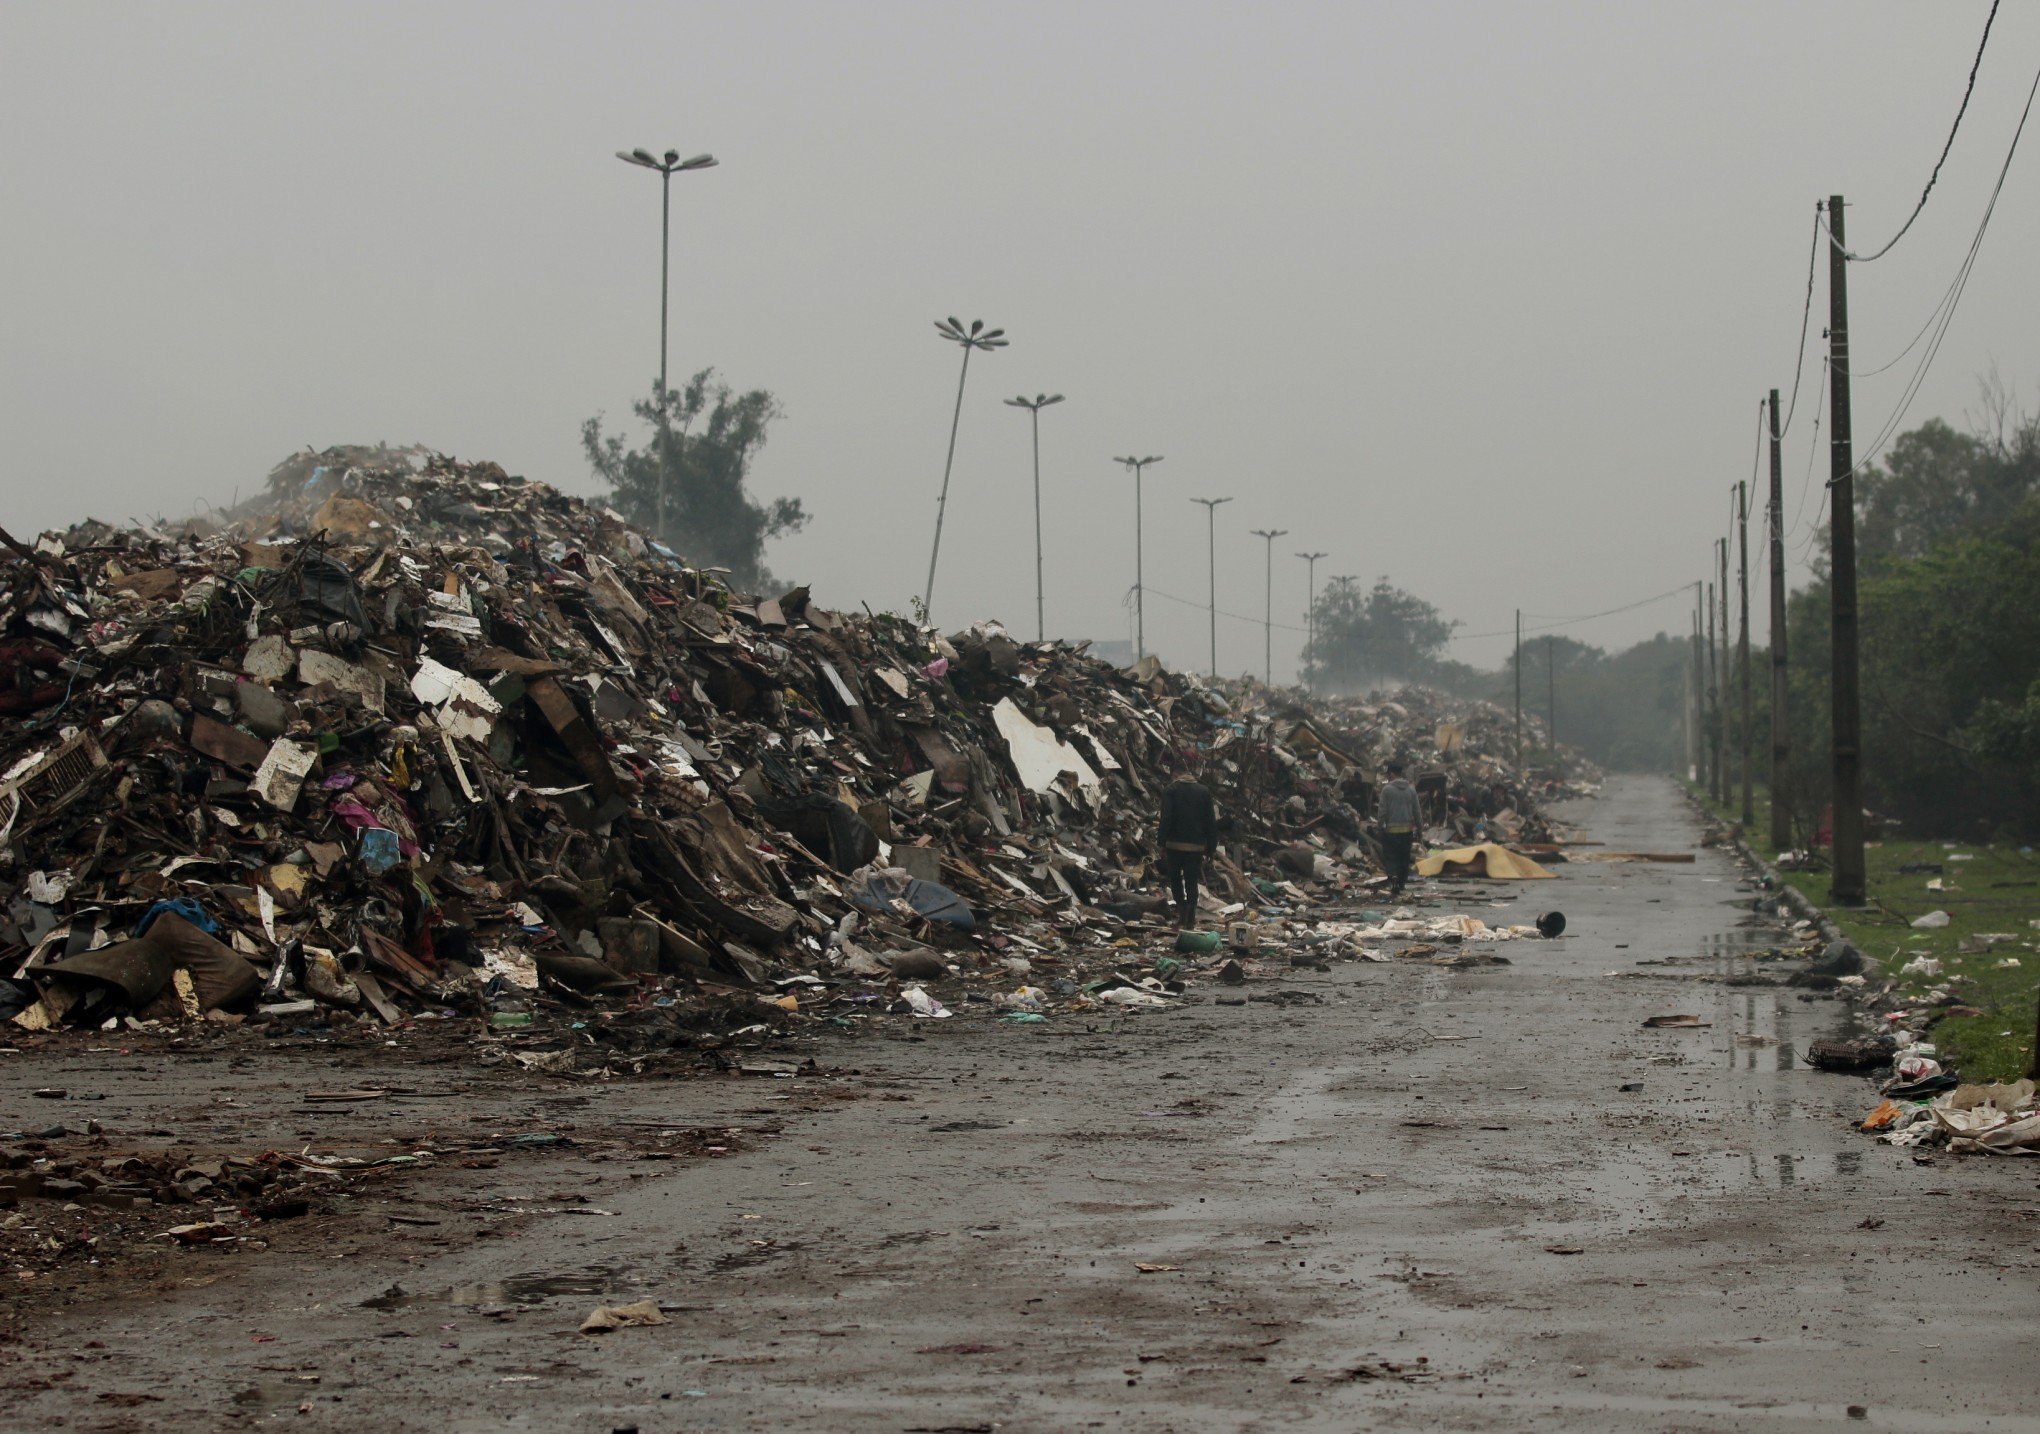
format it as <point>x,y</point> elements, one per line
<point>1402,821</point>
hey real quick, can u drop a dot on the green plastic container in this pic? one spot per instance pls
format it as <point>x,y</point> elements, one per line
<point>1199,943</point>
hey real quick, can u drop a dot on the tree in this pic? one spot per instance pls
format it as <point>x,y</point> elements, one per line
<point>1935,484</point>
<point>686,488</point>
<point>1367,637</point>
<point>1949,596</point>
<point>1556,667</point>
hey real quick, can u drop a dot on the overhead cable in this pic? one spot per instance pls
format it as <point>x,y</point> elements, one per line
<point>1206,607</point>
<point>1967,90</point>
<point>1812,452</point>
<point>1805,314</point>
<point>1570,621</point>
<point>1961,282</point>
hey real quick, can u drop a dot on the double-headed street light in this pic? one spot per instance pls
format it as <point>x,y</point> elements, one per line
<point>1137,466</point>
<point>1034,406</point>
<point>977,336</point>
<point>668,166</point>
<point>1268,607</point>
<point>1310,613</point>
<point>1211,556</point>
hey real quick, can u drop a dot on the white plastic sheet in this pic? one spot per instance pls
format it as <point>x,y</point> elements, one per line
<point>1039,756</point>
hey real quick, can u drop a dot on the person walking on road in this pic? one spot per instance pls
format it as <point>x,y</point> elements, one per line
<point>1401,816</point>
<point>1189,834</point>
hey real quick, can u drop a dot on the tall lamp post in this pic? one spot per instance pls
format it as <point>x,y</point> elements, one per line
<point>977,336</point>
<point>1310,613</point>
<point>1138,466</point>
<point>1034,406</point>
<point>1211,555</point>
<point>667,166</point>
<point>1268,607</point>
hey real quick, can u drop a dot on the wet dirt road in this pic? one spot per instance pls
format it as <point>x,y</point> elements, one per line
<point>1381,1196</point>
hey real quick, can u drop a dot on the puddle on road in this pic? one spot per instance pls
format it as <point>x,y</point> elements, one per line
<point>1761,1029</point>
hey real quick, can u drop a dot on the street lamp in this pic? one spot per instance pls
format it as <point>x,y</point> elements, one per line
<point>1268,607</point>
<point>1310,613</point>
<point>667,167</point>
<point>1211,554</point>
<point>1034,406</point>
<point>1137,466</point>
<point>977,336</point>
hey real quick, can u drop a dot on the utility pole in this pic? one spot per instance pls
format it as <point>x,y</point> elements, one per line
<point>1781,731</point>
<point>1686,717</point>
<point>1268,607</point>
<point>1519,691</point>
<point>1727,677</point>
<point>1551,686</point>
<point>1848,886</point>
<point>1713,702</point>
<point>1742,503</point>
<point>1310,613</point>
<point>1034,406</point>
<point>1138,466</point>
<point>1696,676</point>
<point>1211,558</point>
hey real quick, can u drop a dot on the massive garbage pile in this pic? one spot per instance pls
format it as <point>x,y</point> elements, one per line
<point>409,739</point>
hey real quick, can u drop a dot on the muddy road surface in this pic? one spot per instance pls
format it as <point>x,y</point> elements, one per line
<point>1393,1196</point>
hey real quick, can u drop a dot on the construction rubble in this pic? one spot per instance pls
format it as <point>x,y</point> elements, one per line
<point>408,740</point>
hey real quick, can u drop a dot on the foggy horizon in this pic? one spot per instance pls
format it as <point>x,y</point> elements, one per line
<point>1478,298</point>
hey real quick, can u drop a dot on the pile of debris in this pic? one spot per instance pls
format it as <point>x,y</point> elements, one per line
<point>412,738</point>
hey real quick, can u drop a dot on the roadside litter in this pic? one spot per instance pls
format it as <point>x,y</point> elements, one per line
<point>605,1318</point>
<point>1992,1119</point>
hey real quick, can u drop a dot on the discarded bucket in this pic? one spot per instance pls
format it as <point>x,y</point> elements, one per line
<point>1550,924</point>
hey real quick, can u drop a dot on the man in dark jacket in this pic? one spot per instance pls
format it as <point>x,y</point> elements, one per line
<point>1189,833</point>
<point>1401,823</point>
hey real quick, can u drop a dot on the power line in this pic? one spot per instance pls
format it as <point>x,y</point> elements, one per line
<point>1757,458</point>
<point>1968,266</point>
<point>1805,313</point>
<point>1583,617</point>
<point>1812,452</point>
<point>1154,591</point>
<point>1967,90</point>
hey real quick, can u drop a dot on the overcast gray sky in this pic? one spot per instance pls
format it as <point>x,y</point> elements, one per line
<point>1477,296</point>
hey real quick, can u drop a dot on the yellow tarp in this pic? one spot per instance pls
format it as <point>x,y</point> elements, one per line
<point>1485,860</point>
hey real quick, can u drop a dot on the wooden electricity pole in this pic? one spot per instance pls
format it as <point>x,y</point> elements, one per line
<point>1742,518</point>
<point>1713,702</point>
<point>1727,677</point>
<point>1848,886</point>
<point>1686,721</point>
<point>1696,764</point>
<point>1519,691</point>
<point>1781,731</point>
<point>1551,686</point>
<point>1699,666</point>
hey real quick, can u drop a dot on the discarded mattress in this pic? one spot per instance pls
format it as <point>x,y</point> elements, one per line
<point>1487,859</point>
